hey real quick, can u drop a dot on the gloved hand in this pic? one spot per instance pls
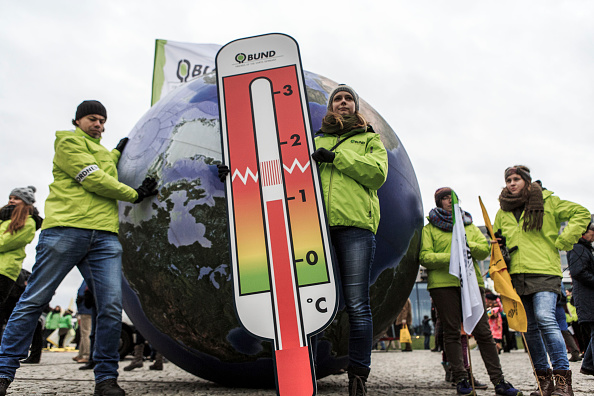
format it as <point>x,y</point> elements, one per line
<point>148,188</point>
<point>123,142</point>
<point>500,238</point>
<point>323,155</point>
<point>223,172</point>
<point>6,212</point>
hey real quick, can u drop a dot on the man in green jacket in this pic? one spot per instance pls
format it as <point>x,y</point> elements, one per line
<point>80,230</point>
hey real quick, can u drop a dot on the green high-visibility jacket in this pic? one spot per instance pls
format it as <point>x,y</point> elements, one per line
<point>538,251</point>
<point>351,181</point>
<point>52,320</point>
<point>12,247</point>
<point>65,322</point>
<point>85,189</point>
<point>436,246</point>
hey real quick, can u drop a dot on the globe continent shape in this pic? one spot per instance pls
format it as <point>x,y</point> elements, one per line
<point>178,289</point>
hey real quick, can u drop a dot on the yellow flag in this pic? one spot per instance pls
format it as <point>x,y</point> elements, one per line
<point>512,304</point>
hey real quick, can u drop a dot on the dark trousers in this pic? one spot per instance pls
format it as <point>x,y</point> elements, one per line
<point>588,362</point>
<point>582,335</point>
<point>37,343</point>
<point>448,302</point>
<point>46,333</point>
<point>6,285</point>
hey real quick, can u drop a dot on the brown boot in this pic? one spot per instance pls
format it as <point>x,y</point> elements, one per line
<point>137,360</point>
<point>562,383</point>
<point>545,380</point>
<point>158,365</point>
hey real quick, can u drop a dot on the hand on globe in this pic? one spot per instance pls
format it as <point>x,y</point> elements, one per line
<point>122,144</point>
<point>223,172</point>
<point>147,189</point>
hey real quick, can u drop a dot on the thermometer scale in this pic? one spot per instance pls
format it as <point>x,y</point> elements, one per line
<point>284,287</point>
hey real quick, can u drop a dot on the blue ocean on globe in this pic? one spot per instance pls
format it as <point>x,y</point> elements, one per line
<point>178,287</point>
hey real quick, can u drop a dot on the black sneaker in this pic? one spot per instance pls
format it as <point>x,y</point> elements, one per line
<point>109,387</point>
<point>479,385</point>
<point>89,366</point>
<point>4,383</point>
<point>505,388</point>
<point>586,371</point>
<point>464,388</point>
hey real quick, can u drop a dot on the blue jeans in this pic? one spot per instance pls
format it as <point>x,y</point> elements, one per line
<point>98,256</point>
<point>354,249</point>
<point>560,317</point>
<point>542,325</point>
<point>588,362</point>
<point>427,341</point>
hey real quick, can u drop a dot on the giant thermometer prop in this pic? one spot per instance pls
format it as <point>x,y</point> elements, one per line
<point>284,287</point>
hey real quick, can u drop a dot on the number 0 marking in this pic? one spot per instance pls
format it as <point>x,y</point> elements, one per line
<point>311,257</point>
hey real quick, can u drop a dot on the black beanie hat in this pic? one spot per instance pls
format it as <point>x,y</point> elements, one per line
<point>90,107</point>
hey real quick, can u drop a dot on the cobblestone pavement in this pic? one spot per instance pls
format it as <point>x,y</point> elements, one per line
<point>393,373</point>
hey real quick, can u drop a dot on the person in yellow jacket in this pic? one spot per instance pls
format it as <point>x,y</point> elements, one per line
<point>528,224</point>
<point>19,220</point>
<point>80,230</point>
<point>436,247</point>
<point>353,165</point>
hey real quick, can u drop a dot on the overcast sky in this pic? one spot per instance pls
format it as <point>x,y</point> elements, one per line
<point>470,87</point>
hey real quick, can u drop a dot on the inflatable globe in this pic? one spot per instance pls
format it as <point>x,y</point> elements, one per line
<point>176,262</point>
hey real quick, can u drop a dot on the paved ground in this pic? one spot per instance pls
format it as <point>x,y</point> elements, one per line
<point>393,373</point>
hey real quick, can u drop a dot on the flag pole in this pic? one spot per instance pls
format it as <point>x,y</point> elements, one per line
<point>532,363</point>
<point>492,236</point>
<point>470,363</point>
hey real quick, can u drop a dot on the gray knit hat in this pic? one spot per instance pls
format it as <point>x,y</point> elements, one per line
<point>346,88</point>
<point>27,194</point>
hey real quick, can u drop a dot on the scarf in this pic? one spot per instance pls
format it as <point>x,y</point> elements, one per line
<point>442,219</point>
<point>338,125</point>
<point>531,200</point>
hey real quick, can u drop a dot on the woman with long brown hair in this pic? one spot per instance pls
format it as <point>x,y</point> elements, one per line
<point>528,224</point>
<point>19,220</point>
<point>353,165</point>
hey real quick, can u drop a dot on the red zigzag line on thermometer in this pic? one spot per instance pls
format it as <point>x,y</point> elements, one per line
<point>254,176</point>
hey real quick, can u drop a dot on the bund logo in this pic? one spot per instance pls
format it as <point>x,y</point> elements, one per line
<point>241,57</point>
<point>185,70</point>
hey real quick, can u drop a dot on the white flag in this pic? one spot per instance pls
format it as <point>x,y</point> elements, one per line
<point>462,266</point>
<point>178,63</point>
